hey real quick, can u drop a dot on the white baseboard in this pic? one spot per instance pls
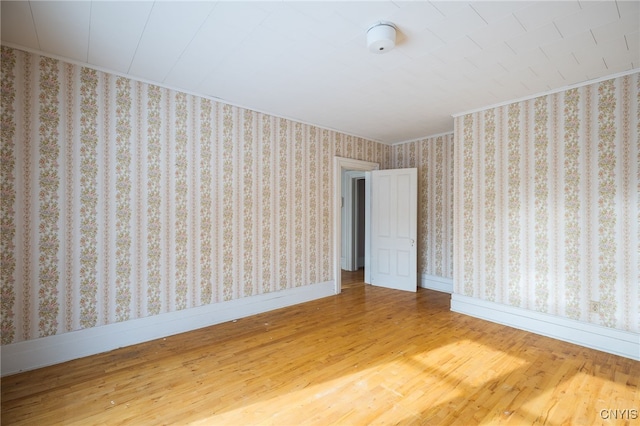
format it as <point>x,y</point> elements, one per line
<point>36,353</point>
<point>617,342</point>
<point>433,282</point>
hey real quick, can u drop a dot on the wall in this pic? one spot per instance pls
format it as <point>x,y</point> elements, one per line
<point>547,204</point>
<point>124,200</point>
<point>434,159</point>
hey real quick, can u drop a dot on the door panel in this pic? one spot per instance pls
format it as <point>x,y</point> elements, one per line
<point>383,265</point>
<point>382,204</point>
<point>393,218</point>
<point>404,263</point>
<point>404,201</point>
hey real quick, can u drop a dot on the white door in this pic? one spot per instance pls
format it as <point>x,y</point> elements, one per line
<point>393,218</point>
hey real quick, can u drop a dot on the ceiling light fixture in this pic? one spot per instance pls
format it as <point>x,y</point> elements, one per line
<point>381,37</point>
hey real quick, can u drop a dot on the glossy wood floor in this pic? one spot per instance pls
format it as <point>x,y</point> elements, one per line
<point>367,356</point>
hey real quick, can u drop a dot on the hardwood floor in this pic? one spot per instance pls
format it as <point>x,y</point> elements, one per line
<point>367,356</point>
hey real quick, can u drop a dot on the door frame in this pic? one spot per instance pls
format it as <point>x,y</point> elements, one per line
<point>341,164</point>
<point>348,257</point>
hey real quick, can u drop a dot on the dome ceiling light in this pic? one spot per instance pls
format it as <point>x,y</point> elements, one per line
<point>381,37</point>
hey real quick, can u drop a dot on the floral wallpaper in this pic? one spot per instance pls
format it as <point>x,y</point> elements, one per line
<point>433,157</point>
<point>123,200</point>
<point>547,203</point>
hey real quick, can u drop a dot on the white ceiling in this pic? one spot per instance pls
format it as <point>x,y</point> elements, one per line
<point>308,61</point>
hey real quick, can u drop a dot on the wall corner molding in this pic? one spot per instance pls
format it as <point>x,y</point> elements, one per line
<point>593,336</point>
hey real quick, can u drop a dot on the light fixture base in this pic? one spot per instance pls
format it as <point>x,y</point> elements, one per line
<point>381,37</point>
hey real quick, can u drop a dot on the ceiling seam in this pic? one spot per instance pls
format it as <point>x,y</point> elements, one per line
<point>474,42</point>
<point>436,8</point>
<point>544,53</point>
<point>516,18</point>
<point>561,74</point>
<point>477,13</point>
<point>35,28</point>
<point>574,57</point>
<point>89,36</point>
<point>512,49</point>
<point>135,52</point>
<point>558,29</point>
<point>189,44</point>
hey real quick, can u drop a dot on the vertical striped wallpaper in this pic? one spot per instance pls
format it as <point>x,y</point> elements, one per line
<point>123,200</point>
<point>433,157</point>
<point>547,203</point>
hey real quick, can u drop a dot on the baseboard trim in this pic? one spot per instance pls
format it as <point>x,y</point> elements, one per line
<point>433,282</point>
<point>617,342</point>
<point>45,351</point>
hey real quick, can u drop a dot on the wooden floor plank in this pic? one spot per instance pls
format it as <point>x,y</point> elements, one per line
<point>367,356</point>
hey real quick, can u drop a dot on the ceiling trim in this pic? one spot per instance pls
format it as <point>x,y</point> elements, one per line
<point>549,92</point>
<point>188,92</point>
<point>437,135</point>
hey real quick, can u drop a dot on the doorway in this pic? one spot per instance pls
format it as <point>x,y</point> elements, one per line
<point>353,220</point>
<point>391,234</point>
<point>340,166</point>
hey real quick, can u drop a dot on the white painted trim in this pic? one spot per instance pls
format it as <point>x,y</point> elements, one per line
<point>434,282</point>
<point>437,135</point>
<point>36,353</point>
<point>549,92</point>
<point>340,164</point>
<point>617,342</point>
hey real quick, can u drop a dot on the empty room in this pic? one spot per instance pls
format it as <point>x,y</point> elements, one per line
<point>320,212</point>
